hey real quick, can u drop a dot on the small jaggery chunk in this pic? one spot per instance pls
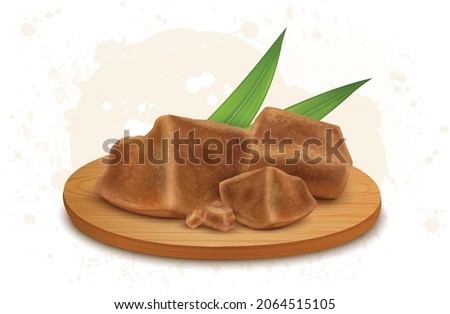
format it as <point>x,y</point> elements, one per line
<point>216,216</point>
<point>219,216</point>
<point>267,198</point>
<point>195,219</point>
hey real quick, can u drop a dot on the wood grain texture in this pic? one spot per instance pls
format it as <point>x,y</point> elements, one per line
<point>332,223</point>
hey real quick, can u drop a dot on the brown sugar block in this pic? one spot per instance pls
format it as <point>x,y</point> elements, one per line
<point>267,198</point>
<point>195,218</point>
<point>174,169</point>
<point>317,152</point>
<point>131,183</point>
<point>219,216</point>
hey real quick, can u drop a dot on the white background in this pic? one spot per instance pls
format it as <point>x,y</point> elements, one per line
<point>61,96</point>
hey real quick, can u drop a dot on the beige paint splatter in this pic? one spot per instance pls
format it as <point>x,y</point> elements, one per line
<point>316,34</point>
<point>289,13</point>
<point>443,129</point>
<point>432,225</point>
<point>268,21</point>
<point>61,94</point>
<point>27,29</point>
<point>29,219</point>
<point>429,160</point>
<point>249,30</point>
<point>400,77</point>
<point>398,89</point>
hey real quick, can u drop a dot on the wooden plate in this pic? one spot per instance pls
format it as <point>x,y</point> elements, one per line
<point>332,223</point>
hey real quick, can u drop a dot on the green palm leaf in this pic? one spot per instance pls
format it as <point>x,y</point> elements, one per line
<point>241,106</point>
<point>319,106</point>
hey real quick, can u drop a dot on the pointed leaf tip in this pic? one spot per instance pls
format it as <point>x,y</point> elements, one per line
<point>241,106</point>
<point>319,106</point>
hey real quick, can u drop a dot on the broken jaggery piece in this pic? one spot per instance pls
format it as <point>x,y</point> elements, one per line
<point>267,198</point>
<point>195,218</point>
<point>219,216</point>
<point>216,216</point>
<point>324,163</point>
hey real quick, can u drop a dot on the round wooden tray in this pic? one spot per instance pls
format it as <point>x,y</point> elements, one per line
<point>332,223</point>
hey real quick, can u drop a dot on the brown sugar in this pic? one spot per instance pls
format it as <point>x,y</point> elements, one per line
<point>156,177</point>
<point>318,153</point>
<point>267,198</point>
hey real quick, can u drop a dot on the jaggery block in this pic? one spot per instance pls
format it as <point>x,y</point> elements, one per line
<point>156,177</point>
<point>318,153</point>
<point>267,198</point>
